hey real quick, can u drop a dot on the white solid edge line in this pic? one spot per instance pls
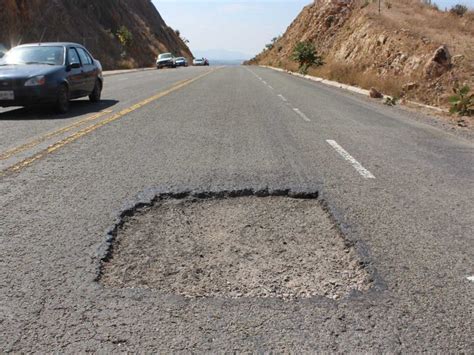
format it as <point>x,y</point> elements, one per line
<point>282,97</point>
<point>303,116</point>
<point>256,75</point>
<point>358,166</point>
<point>470,278</point>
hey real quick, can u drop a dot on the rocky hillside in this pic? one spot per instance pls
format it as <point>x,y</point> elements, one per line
<point>410,49</point>
<point>95,23</point>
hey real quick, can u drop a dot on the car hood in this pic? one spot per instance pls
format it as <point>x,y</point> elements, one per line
<point>164,60</point>
<point>26,71</point>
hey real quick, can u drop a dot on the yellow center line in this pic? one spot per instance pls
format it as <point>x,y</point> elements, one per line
<point>33,143</point>
<point>75,136</point>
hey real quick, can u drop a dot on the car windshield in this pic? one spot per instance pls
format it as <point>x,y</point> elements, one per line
<point>35,55</point>
<point>165,56</point>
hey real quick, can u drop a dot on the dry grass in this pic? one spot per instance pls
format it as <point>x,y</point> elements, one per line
<point>425,21</point>
<point>359,76</point>
<point>352,75</point>
<point>127,64</point>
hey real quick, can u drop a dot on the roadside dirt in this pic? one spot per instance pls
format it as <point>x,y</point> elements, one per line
<point>276,247</point>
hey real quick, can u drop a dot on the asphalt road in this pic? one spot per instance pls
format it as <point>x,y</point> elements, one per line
<point>401,190</point>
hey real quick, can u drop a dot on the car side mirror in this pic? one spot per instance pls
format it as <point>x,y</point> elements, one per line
<point>74,66</point>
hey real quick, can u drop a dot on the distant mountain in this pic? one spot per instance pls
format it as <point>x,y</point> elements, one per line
<point>221,54</point>
<point>228,62</point>
<point>94,23</point>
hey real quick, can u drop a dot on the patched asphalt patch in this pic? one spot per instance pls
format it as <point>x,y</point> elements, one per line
<point>234,246</point>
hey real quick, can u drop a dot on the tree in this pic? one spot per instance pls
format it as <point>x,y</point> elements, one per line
<point>306,55</point>
<point>124,36</point>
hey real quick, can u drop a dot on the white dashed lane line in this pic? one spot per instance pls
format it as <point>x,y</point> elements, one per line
<point>358,166</point>
<point>366,174</point>
<point>283,98</point>
<point>302,115</point>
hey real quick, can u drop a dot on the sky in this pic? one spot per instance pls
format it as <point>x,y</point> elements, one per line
<point>243,26</point>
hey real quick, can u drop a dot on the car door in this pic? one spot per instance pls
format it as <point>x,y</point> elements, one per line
<point>74,74</point>
<point>89,70</point>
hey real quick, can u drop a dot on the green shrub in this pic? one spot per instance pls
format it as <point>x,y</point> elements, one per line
<point>462,102</point>
<point>269,46</point>
<point>306,55</point>
<point>459,10</point>
<point>124,36</point>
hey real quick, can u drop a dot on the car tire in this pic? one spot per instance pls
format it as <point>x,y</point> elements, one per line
<point>97,92</point>
<point>62,100</point>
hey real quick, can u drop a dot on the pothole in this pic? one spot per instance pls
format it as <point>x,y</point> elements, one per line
<point>274,246</point>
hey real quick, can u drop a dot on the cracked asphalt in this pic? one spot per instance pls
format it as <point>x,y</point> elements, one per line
<point>411,225</point>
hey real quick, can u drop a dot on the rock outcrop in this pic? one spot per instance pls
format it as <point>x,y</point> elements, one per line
<point>439,64</point>
<point>93,23</point>
<point>404,51</point>
<point>375,94</point>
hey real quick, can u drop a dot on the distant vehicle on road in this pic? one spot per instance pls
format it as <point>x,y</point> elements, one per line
<point>49,73</point>
<point>199,62</point>
<point>181,62</point>
<point>165,60</point>
<point>206,62</point>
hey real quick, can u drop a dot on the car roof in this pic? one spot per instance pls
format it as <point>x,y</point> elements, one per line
<point>48,44</point>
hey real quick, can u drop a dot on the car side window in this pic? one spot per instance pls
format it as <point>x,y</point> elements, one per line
<point>73,56</point>
<point>85,58</point>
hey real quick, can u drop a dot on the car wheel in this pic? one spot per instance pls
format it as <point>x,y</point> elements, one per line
<point>62,101</point>
<point>97,92</point>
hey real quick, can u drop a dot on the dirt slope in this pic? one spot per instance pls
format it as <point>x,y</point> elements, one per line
<point>93,23</point>
<point>398,51</point>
